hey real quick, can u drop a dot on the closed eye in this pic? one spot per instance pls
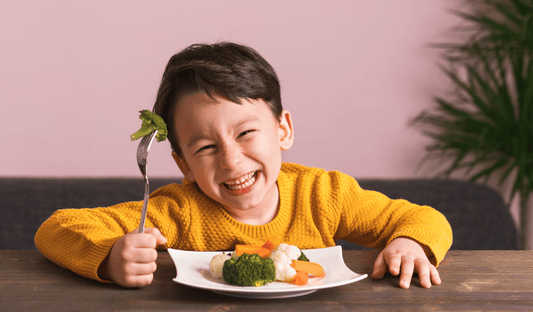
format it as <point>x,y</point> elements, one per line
<point>205,148</point>
<point>245,133</point>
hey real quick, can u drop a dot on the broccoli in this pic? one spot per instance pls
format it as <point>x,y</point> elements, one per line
<point>303,257</point>
<point>150,123</point>
<point>249,270</point>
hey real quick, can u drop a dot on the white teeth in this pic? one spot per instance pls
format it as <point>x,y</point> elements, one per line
<point>241,183</point>
<point>242,179</point>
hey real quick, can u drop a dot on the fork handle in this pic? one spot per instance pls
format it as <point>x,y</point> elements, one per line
<point>145,206</point>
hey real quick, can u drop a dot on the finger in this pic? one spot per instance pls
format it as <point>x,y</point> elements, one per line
<point>137,280</point>
<point>153,231</point>
<point>408,266</point>
<point>380,267</point>
<point>139,240</point>
<point>394,262</point>
<point>144,255</point>
<point>134,274</point>
<point>144,240</point>
<point>435,276</point>
<point>160,239</point>
<point>139,269</point>
<point>423,270</point>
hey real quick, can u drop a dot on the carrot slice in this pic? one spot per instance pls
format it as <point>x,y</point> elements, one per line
<point>301,278</point>
<point>311,268</point>
<point>262,252</point>
<point>271,243</point>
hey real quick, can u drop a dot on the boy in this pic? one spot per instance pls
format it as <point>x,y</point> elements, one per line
<point>227,127</point>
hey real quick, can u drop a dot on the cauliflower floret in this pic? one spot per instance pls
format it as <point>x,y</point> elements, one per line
<point>284,271</point>
<point>283,255</point>
<point>291,251</point>
<point>217,264</point>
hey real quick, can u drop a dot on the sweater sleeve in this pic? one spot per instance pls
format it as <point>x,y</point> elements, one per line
<point>371,219</point>
<point>80,239</point>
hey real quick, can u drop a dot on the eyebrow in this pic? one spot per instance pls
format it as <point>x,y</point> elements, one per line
<point>198,137</point>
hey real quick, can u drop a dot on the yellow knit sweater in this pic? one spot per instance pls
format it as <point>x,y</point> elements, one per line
<point>316,209</point>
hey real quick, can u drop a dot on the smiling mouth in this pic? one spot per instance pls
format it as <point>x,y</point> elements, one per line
<point>242,183</point>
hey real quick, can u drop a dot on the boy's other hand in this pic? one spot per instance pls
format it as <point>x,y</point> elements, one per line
<point>406,256</point>
<point>131,261</point>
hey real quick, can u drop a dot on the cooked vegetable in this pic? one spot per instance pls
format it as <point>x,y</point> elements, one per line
<point>301,278</point>
<point>303,257</point>
<point>271,243</point>
<point>242,249</point>
<point>284,271</point>
<point>291,251</point>
<point>258,265</point>
<point>150,123</point>
<point>311,268</point>
<point>249,270</point>
<point>217,265</point>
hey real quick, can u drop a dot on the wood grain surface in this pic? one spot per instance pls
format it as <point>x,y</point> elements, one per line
<point>471,281</point>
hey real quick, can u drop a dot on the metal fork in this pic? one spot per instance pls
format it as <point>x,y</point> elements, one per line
<point>142,153</point>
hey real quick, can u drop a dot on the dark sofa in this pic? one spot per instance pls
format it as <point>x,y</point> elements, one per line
<point>478,216</point>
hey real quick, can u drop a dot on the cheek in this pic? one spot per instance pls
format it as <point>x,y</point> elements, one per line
<point>206,184</point>
<point>201,170</point>
<point>267,150</point>
<point>264,148</point>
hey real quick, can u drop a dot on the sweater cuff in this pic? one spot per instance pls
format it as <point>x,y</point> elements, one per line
<point>98,252</point>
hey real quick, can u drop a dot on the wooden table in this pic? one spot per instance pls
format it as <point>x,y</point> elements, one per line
<point>472,280</point>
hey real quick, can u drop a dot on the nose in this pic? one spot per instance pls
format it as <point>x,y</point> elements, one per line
<point>230,157</point>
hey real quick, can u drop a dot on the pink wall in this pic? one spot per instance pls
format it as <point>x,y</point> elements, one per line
<point>74,74</point>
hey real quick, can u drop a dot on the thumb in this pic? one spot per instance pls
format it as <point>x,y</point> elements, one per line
<point>160,239</point>
<point>380,267</point>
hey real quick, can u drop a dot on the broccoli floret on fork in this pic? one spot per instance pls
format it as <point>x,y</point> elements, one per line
<point>150,123</point>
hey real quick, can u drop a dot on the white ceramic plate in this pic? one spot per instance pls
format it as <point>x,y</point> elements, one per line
<point>192,269</point>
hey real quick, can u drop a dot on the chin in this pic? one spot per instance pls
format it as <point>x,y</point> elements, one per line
<point>242,204</point>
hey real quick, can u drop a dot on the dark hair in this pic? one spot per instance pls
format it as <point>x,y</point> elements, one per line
<point>224,69</point>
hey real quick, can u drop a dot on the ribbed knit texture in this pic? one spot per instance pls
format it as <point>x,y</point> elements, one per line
<point>316,209</point>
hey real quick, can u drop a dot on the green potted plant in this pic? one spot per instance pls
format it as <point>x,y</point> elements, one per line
<point>486,126</point>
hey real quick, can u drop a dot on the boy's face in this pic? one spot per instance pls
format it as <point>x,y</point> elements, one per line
<point>232,151</point>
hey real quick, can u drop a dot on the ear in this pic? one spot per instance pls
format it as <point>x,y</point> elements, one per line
<point>184,167</point>
<point>286,131</point>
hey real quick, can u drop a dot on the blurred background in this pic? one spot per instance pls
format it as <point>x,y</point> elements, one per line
<point>75,74</point>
